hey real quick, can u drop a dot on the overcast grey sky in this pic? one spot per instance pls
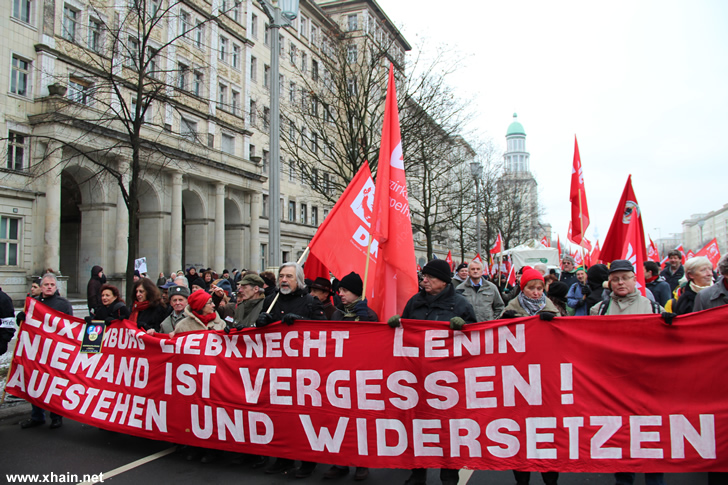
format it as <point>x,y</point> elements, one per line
<point>642,84</point>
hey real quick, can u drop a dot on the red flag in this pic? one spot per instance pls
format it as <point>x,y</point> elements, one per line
<point>614,242</point>
<point>343,246</point>
<point>478,259</point>
<point>690,255</point>
<point>314,268</point>
<point>596,254</point>
<point>633,251</point>
<point>682,252</point>
<point>396,278</point>
<point>558,247</point>
<point>577,196</point>
<point>545,242</point>
<point>652,253</point>
<point>512,276</point>
<point>711,251</point>
<point>448,258</point>
<point>498,246</point>
<point>583,243</point>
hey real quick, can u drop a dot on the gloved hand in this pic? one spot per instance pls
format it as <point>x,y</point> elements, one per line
<point>88,319</point>
<point>361,309</point>
<point>20,318</point>
<point>263,320</point>
<point>394,321</point>
<point>585,290</point>
<point>290,318</point>
<point>667,317</point>
<point>509,314</point>
<point>547,316</point>
<point>457,323</point>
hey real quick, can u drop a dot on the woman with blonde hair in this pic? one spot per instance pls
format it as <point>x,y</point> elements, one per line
<point>699,273</point>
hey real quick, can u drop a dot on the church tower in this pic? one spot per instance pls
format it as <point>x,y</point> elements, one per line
<point>516,156</point>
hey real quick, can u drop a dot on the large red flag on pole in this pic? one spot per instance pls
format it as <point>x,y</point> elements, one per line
<point>711,251</point>
<point>558,247</point>
<point>396,275</point>
<point>652,253</point>
<point>546,242</point>
<point>577,196</point>
<point>498,246</point>
<point>633,250</point>
<point>626,210</point>
<point>596,254</point>
<point>314,268</point>
<point>341,241</point>
<point>448,258</point>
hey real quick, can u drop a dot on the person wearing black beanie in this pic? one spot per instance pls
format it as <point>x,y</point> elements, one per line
<point>439,268</point>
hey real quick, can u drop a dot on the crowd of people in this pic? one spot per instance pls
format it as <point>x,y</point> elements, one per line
<point>205,301</point>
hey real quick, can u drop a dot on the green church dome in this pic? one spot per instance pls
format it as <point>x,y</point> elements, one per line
<point>515,128</point>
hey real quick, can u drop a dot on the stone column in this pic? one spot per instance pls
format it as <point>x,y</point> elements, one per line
<point>255,201</point>
<point>219,260</point>
<point>52,235</point>
<point>175,241</point>
<point>121,248</point>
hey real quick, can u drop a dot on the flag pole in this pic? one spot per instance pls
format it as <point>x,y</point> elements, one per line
<point>366,265</point>
<point>581,229</point>
<point>303,256</point>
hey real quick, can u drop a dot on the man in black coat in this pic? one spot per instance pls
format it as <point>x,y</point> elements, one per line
<point>292,302</point>
<point>437,301</point>
<point>48,296</point>
<point>674,271</point>
<point>7,321</point>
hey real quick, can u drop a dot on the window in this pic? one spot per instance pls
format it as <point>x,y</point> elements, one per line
<point>291,171</point>
<point>188,129</point>
<point>281,45</point>
<point>315,70</point>
<point>16,151</point>
<point>314,106</point>
<point>304,26</point>
<point>314,35</point>
<point>152,67</point>
<point>281,83</point>
<point>153,8</point>
<point>304,62</point>
<point>351,83</point>
<point>254,26</point>
<point>236,56</point>
<point>223,49</point>
<point>266,118</point>
<point>266,161</point>
<point>95,35</point>
<point>304,213</point>
<point>352,22</point>
<point>132,50</point>
<point>235,102</point>
<point>70,23</point>
<point>266,77</point>
<point>183,72</point>
<point>221,96</point>
<point>292,211</point>
<point>327,183</point>
<point>199,34</point>
<point>292,93</point>
<point>292,52</point>
<point>197,83</point>
<point>266,35</point>
<point>326,213</point>
<point>314,177</point>
<point>228,144</point>
<point>253,114</point>
<point>147,113</point>
<point>314,216</point>
<point>314,142</point>
<point>9,240</point>
<point>291,131</point>
<point>251,149</point>
<point>351,54</point>
<point>184,23</point>
<point>264,247</point>
<point>253,69</point>
<point>21,10</point>
<point>20,77</point>
<point>304,134</point>
<point>235,12</point>
<point>80,91</point>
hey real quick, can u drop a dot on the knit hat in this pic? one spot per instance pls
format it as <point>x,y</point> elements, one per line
<point>198,282</point>
<point>269,281</point>
<point>224,284</point>
<point>620,265</point>
<point>528,275</point>
<point>353,283</point>
<point>322,284</point>
<point>439,268</point>
<point>461,266</point>
<point>198,300</point>
<point>557,289</point>
<point>252,279</point>
<point>179,290</point>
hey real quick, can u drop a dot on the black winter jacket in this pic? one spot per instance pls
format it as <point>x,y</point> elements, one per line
<point>442,307</point>
<point>298,302</point>
<point>116,311</point>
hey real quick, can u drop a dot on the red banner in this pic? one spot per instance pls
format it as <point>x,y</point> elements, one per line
<point>640,396</point>
<point>577,197</point>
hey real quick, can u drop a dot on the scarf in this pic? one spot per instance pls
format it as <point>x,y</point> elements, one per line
<point>532,306</point>
<point>349,310</point>
<point>696,288</point>
<point>205,319</point>
<point>651,279</point>
<point>138,307</point>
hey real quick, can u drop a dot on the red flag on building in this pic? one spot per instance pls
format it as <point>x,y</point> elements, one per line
<point>577,196</point>
<point>341,240</point>
<point>546,242</point>
<point>711,251</point>
<point>633,250</point>
<point>498,246</point>
<point>448,258</point>
<point>652,253</point>
<point>596,254</point>
<point>627,209</point>
<point>314,268</point>
<point>396,276</point>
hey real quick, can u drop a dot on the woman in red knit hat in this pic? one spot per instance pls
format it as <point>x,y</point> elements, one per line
<point>200,315</point>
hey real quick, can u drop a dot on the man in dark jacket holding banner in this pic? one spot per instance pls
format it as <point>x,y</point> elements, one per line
<point>437,301</point>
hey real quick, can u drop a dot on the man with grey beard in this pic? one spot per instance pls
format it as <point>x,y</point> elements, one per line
<point>292,302</point>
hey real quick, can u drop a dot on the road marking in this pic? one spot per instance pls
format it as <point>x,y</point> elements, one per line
<point>465,475</point>
<point>132,465</point>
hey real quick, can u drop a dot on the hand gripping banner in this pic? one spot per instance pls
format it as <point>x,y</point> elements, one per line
<point>577,394</point>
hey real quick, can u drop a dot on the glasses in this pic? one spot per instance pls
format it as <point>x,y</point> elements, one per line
<point>621,279</point>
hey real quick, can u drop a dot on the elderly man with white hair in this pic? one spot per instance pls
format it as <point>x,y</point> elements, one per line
<point>717,294</point>
<point>699,273</point>
<point>292,302</point>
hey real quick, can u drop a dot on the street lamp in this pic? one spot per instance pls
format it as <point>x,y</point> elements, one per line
<point>280,15</point>
<point>476,170</point>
